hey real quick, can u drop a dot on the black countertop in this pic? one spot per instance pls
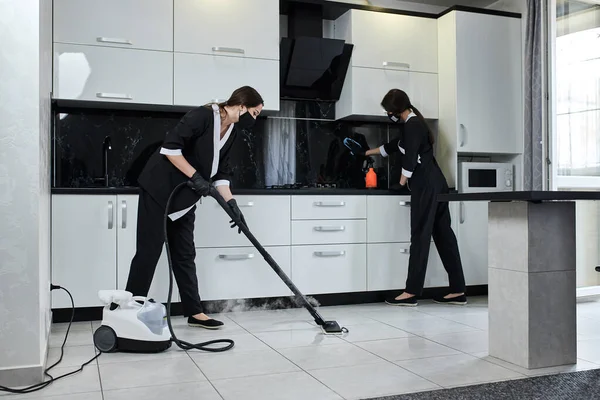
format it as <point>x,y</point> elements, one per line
<point>266,192</point>
<point>531,196</point>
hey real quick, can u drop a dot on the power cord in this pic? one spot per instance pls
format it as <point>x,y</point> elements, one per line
<point>42,385</point>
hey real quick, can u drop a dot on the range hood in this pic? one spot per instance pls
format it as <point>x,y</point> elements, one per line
<point>311,67</point>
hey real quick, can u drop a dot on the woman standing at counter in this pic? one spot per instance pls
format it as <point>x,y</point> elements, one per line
<point>420,171</point>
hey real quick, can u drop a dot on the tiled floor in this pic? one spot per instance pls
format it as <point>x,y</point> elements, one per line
<point>282,355</point>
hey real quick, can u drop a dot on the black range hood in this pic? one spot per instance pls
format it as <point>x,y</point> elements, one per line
<point>311,67</point>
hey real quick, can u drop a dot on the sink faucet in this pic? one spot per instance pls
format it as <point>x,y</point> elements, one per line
<point>106,146</point>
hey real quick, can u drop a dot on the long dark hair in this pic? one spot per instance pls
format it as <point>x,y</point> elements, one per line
<point>244,96</point>
<point>396,101</point>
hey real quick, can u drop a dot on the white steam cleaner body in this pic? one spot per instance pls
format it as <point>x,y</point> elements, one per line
<point>131,324</point>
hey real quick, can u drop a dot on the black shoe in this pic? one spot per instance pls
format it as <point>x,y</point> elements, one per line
<point>208,324</point>
<point>410,302</point>
<point>459,300</point>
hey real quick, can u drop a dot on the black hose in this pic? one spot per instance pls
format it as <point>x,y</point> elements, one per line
<point>182,344</point>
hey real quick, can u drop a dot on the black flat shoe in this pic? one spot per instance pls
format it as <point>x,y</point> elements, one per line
<point>459,300</point>
<point>208,324</point>
<point>410,302</point>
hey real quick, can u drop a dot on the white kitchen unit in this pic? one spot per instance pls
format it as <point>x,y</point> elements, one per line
<point>93,242</point>
<point>388,219</point>
<point>473,241</point>
<point>200,79</point>
<point>382,61</point>
<point>233,28</point>
<point>132,24</point>
<point>480,84</point>
<point>112,74</point>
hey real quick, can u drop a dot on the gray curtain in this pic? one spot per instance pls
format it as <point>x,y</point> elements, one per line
<point>533,157</point>
<point>280,148</point>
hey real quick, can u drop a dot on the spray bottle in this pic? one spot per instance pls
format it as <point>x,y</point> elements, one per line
<point>371,176</point>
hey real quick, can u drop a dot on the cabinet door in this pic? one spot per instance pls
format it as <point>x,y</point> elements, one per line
<point>382,39</point>
<point>489,83</point>
<point>84,248</point>
<point>236,28</point>
<point>329,231</point>
<point>388,219</point>
<point>200,79</point>
<point>133,24</point>
<point>330,268</point>
<point>111,74</point>
<point>473,241</point>
<point>127,207</point>
<point>329,207</point>
<point>268,218</point>
<point>387,266</point>
<point>240,273</point>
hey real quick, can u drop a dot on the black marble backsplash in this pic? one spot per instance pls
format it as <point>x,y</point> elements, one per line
<point>302,144</point>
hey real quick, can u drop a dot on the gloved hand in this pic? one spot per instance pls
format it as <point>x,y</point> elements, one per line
<point>236,210</point>
<point>199,184</point>
<point>354,147</point>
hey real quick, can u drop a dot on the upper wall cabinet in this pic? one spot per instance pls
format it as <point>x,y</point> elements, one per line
<point>236,28</point>
<point>135,24</point>
<point>390,41</point>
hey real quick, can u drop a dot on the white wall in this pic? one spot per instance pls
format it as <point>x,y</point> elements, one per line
<point>25,37</point>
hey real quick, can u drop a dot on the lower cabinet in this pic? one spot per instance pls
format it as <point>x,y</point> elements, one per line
<point>240,273</point>
<point>473,241</point>
<point>330,268</point>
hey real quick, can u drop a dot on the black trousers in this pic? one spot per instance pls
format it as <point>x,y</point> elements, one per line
<point>429,218</point>
<point>149,245</point>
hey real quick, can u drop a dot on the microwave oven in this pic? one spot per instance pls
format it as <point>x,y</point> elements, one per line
<point>480,177</point>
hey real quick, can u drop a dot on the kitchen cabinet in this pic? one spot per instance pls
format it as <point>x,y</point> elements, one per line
<point>132,24</point>
<point>233,28</point>
<point>329,207</point>
<point>480,73</point>
<point>473,241</point>
<point>200,79</point>
<point>328,231</point>
<point>112,74</point>
<point>388,219</point>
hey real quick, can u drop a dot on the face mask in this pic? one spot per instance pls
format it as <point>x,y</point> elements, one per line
<point>246,121</point>
<point>393,118</point>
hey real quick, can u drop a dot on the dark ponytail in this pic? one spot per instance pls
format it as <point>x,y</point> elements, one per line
<point>396,102</point>
<point>244,96</point>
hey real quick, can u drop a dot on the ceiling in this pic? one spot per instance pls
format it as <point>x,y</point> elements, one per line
<point>450,3</point>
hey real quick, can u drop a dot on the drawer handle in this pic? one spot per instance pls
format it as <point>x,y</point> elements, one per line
<point>236,256</point>
<point>462,135</point>
<point>405,251</point>
<point>124,214</point>
<point>110,215</point>
<point>462,212</point>
<point>121,96</point>
<point>113,40</point>
<point>330,228</point>
<point>228,50</point>
<point>404,203</point>
<point>329,203</point>
<point>248,204</point>
<point>329,253</point>
<point>396,64</point>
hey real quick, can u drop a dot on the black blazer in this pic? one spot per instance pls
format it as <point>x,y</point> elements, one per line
<point>414,146</point>
<point>197,138</point>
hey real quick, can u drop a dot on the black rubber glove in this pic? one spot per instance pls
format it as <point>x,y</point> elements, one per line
<point>354,147</point>
<point>236,210</point>
<point>199,184</point>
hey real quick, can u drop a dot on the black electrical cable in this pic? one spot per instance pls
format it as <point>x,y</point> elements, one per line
<point>182,344</point>
<point>42,385</point>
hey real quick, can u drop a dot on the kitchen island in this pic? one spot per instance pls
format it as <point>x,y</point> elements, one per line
<point>531,275</point>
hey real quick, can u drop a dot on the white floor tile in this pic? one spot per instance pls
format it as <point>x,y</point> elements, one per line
<point>458,370</point>
<point>73,356</point>
<point>75,338</point>
<point>428,326</point>
<point>239,365</point>
<point>589,350</point>
<point>76,326</point>
<point>336,355</point>
<point>475,320</point>
<point>152,372</point>
<point>588,328</point>
<point>41,395</point>
<point>298,338</point>
<point>394,315</point>
<point>376,331</point>
<point>467,342</point>
<point>111,358</point>
<point>274,324</point>
<point>365,381</point>
<point>242,342</point>
<point>180,391</point>
<point>288,386</point>
<point>406,348</point>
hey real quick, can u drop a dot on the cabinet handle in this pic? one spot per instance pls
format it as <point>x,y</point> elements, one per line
<point>329,253</point>
<point>329,203</point>
<point>121,96</point>
<point>236,256</point>
<point>110,215</point>
<point>396,64</point>
<point>462,135</point>
<point>218,100</point>
<point>248,204</point>
<point>404,203</point>
<point>228,50</point>
<point>124,214</point>
<point>329,228</point>
<point>113,40</point>
<point>462,212</point>
<point>405,251</point>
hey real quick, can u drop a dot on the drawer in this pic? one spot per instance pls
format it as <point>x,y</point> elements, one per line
<point>329,231</point>
<point>388,219</point>
<point>112,74</point>
<point>387,265</point>
<point>268,219</point>
<point>132,24</point>
<point>240,273</point>
<point>330,268</point>
<point>329,207</point>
